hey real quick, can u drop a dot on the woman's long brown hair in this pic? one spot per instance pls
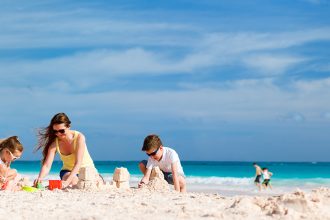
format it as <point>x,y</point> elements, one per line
<point>46,136</point>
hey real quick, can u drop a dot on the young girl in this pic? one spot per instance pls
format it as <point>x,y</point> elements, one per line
<point>10,150</point>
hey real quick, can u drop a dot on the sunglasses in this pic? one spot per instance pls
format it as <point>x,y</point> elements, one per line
<point>153,153</point>
<point>62,131</point>
<point>12,155</point>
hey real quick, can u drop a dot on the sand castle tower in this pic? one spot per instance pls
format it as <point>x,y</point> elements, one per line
<point>88,177</point>
<point>156,173</point>
<point>121,178</point>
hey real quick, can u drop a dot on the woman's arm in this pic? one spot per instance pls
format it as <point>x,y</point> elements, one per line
<point>47,164</point>
<point>79,151</point>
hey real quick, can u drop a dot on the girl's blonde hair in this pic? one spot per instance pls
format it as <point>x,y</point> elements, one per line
<point>12,144</point>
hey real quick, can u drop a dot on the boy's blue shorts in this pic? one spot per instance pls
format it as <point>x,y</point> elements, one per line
<point>167,175</point>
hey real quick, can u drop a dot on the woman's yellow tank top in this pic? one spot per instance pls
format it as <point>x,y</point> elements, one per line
<point>69,160</point>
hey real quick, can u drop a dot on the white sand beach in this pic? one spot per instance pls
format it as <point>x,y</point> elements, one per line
<point>135,203</point>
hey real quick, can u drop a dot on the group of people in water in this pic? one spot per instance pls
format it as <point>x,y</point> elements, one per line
<point>71,146</point>
<point>262,173</point>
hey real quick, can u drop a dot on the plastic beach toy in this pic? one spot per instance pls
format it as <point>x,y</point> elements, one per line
<point>55,184</point>
<point>29,189</point>
<point>40,186</point>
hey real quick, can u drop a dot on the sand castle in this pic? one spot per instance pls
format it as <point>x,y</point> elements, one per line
<point>88,179</point>
<point>156,173</point>
<point>121,178</point>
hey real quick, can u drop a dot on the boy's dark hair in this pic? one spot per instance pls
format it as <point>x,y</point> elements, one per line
<point>151,142</point>
<point>254,163</point>
<point>265,168</point>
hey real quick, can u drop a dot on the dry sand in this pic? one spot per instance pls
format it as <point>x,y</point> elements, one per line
<point>145,203</point>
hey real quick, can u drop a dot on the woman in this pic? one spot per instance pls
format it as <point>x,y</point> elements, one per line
<point>10,150</point>
<point>69,144</point>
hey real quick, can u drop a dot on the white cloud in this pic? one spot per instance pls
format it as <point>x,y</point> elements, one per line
<point>268,52</point>
<point>83,28</point>
<point>88,69</point>
<point>95,66</point>
<point>310,87</point>
<point>271,64</point>
<point>240,101</point>
<point>233,43</point>
<point>94,29</point>
<point>199,49</point>
<point>98,28</point>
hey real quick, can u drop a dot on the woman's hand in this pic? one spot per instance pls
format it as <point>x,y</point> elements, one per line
<point>65,184</point>
<point>36,181</point>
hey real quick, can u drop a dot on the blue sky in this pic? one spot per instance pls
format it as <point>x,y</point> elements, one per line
<point>217,80</point>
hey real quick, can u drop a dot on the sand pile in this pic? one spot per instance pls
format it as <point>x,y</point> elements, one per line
<point>17,183</point>
<point>158,184</point>
<point>157,181</point>
<point>243,207</point>
<point>297,205</point>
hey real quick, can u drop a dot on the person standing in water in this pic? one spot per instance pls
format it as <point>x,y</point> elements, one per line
<point>258,175</point>
<point>266,174</point>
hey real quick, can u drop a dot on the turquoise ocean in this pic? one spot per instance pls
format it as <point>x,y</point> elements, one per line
<point>229,178</point>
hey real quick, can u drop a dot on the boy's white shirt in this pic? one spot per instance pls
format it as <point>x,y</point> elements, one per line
<point>266,175</point>
<point>169,156</point>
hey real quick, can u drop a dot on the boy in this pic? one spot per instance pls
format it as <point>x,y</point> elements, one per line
<point>166,159</point>
<point>258,175</point>
<point>266,174</point>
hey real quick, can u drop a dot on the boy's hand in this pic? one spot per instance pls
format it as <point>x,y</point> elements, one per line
<point>141,183</point>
